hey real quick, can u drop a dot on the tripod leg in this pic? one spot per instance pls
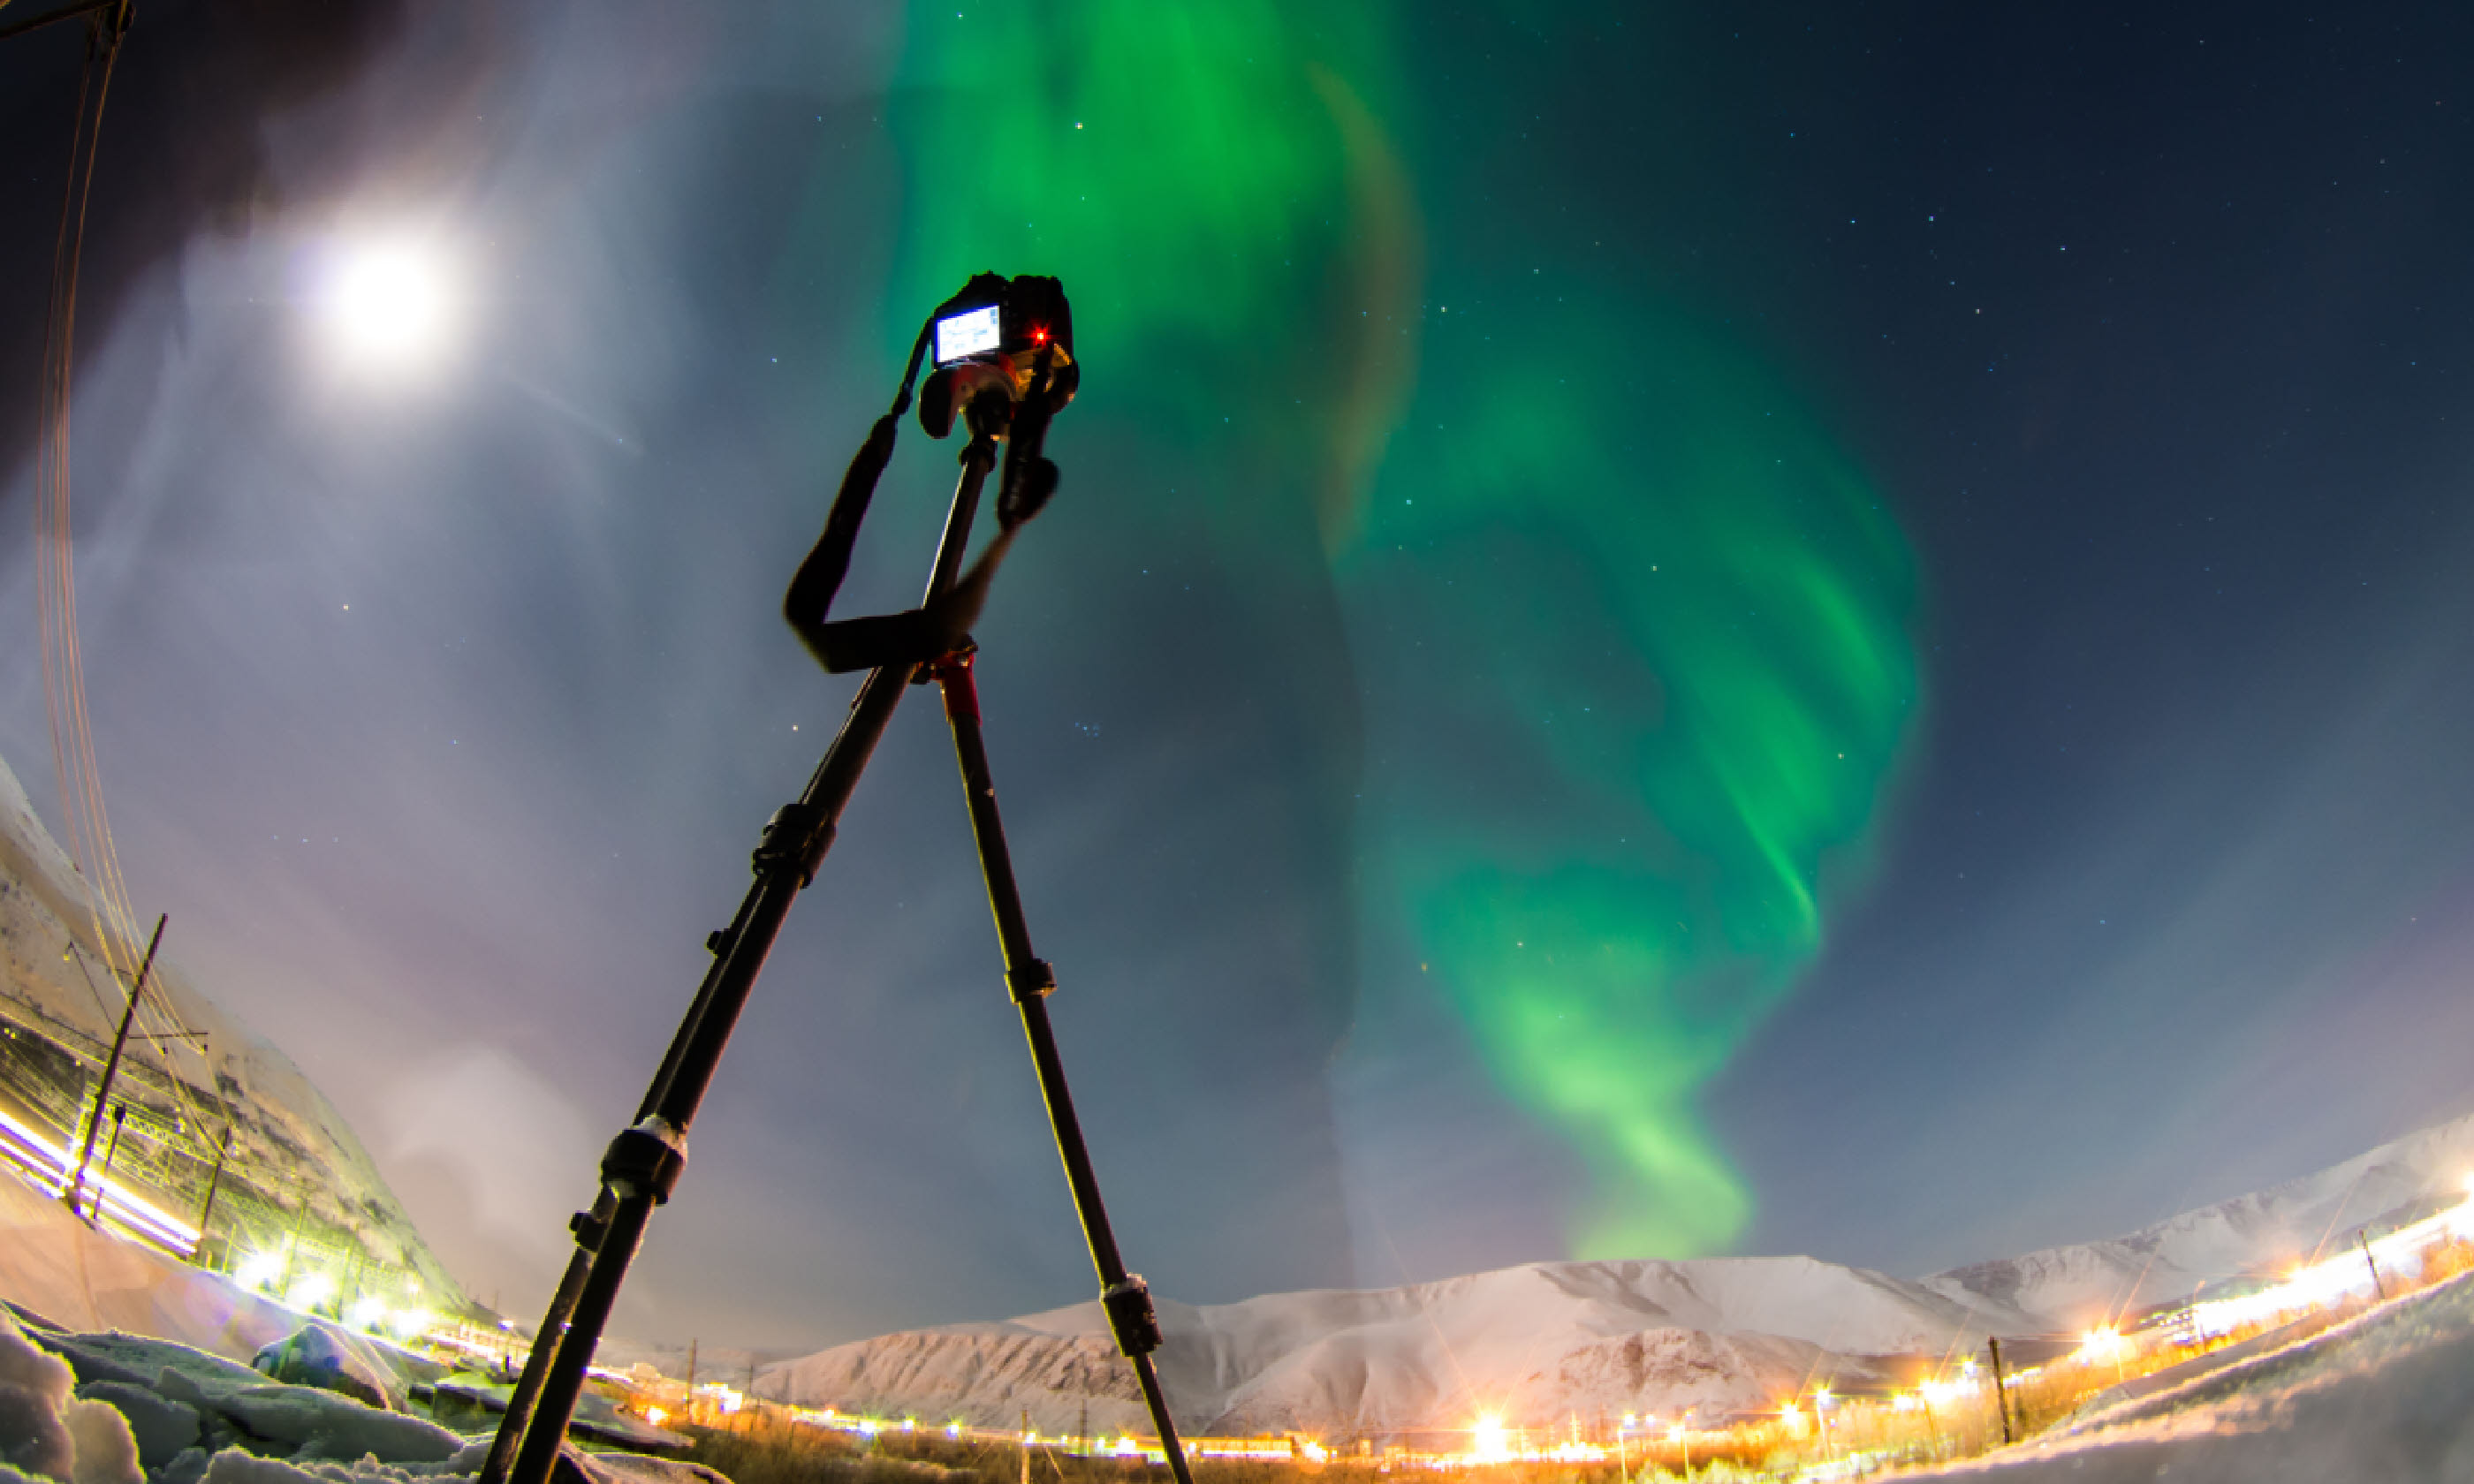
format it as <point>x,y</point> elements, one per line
<point>540,1361</point>
<point>643,1162</point>
<point>1121,1294</point>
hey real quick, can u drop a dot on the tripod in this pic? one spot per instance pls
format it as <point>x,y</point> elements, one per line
<point>643,1165</point>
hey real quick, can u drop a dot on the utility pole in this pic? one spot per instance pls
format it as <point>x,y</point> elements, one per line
<point>2001,1390</point>
<point>75,1194</point>
<point>2364,1237</point>
<point>214,1182</point>
<point>689,1410</point>
<point>1026,1445</point>
<point>120,1117</point>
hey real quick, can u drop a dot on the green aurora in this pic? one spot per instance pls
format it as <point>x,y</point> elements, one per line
<point>1665,622</point>
<point>1633,634</point>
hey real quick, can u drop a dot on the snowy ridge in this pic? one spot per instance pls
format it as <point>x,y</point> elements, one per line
<point>1539,1341</point>
<point>281,1122</point>
<point>2071,1288</point>
<point>1547,1341</point>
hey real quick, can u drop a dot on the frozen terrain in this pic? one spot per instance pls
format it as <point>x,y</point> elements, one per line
<point>54,1265</point>
<point>112,1408</point>
<point>1545,1341</point>
<point>2385,1398</point>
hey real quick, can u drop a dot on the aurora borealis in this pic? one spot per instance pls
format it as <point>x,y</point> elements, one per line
<point>1682,659</point>
<point>1665,628</point>
<point>1681,651</point>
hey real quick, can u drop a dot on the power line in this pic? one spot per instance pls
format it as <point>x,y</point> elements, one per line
<point>64,13</point>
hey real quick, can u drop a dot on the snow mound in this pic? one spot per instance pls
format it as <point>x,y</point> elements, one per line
<point>80,1279</point>
<point>46,1430</point>
<point>123,1409</point>
<point>328,1359</point>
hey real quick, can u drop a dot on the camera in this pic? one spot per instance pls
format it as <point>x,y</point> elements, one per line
<point>996,335</point>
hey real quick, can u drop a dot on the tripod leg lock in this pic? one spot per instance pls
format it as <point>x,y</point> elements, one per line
<point>587,1229</point>
<point>798,833</point>
<point>1034,980</point>
<point>1132,1317</point>
<point>644,1160</point>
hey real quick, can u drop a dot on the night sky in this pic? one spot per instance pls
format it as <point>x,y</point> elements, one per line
<point>1789,628</point>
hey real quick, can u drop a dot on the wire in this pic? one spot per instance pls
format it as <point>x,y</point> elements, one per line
<point>75,772</point>
<point>35,22</point>
<point>65,699</point>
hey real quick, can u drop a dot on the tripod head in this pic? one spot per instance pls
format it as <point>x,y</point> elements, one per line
<point>996,335</point>
<point>1004,365</point>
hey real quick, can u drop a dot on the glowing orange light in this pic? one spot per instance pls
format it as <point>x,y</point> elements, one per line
<point>1486,1439</point>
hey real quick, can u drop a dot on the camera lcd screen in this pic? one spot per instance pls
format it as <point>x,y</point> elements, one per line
<point>967,333</point>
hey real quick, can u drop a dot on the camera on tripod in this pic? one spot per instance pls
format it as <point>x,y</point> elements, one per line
<point>1005,352</point>
<point>999,333</point>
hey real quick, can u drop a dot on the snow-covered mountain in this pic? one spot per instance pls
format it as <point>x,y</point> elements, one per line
<point>1548,1341</point>
<point>295,1162</point>
<point>1537,1342</point>
<point>2068,1288</point>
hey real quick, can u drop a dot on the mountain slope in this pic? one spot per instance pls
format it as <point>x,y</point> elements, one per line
<point>1548,1341</point>
<point>1539,1341</point>
<point>2069,1289</point>
<point>295,1166</point>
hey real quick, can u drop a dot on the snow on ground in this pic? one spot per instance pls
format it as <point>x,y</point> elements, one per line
<point>2386,1397</point>
<point>114,1408</point>
<point>79,1279</point>
<point>159,1352</point>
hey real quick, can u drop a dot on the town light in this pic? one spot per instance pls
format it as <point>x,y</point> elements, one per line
<point>2100,1343</point>
<point>260,1270</point>
<point>309,1290</point>
<point>1486,1439</point>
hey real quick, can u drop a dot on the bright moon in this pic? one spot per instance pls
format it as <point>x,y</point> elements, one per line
<point>389,302</point>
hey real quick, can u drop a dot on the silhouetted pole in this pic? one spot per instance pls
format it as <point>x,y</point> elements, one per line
<point>643,1162</point>
<point>75,1193</point>
<point>2364,1237</point>
<point>214,1183</point>
<point>2001,1390</point>
<point>120,1120</point>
